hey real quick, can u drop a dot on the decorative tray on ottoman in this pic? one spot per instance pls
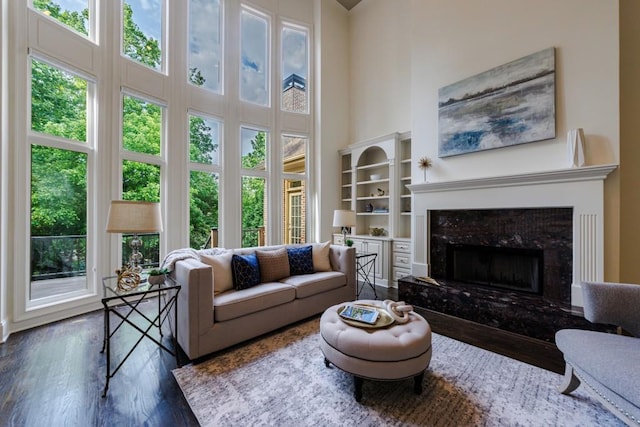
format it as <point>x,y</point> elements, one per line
<point>383,320</point>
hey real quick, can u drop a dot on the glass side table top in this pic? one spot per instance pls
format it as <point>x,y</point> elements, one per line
<point>110,288</point>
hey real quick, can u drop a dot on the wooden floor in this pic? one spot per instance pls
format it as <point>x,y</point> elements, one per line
<point>54,375</point>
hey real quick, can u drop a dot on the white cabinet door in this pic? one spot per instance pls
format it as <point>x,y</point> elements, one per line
<point>377,247</point>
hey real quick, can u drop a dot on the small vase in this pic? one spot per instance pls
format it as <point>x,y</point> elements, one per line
<point>575,147</point>
<point>156,280</point>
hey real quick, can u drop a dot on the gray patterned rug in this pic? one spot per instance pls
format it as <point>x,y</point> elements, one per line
<point>282,380</point>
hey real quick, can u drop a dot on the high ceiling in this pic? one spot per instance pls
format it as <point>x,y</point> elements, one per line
<point>348,4</point>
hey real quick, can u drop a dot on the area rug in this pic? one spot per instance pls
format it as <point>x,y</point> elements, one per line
<point>281,379</point>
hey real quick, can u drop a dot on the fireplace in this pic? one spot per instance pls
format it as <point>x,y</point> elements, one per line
<point>550,223</point>
<point>496,267</point>
<point>538,240</point>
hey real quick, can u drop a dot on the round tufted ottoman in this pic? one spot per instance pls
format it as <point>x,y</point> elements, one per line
<point>395,352</point>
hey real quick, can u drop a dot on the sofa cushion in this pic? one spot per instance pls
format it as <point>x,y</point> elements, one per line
<point>246,271</point>
<point>232,304</point>
<point>300,260</point>
<point>320,253</point>
<point>221,270</point>
<point>307,285</point>
<point>609,358</point>
<point>274,264</point>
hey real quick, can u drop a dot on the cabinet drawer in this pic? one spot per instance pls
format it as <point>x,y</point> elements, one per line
<point>402,260</point>
<point>399,273</point>
<point>402,247</point>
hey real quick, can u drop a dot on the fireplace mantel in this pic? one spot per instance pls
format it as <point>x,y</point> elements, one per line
<point>587,173</point>
<point>581,189</point>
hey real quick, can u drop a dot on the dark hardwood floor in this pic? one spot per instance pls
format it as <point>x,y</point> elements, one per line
<point>54,375</point>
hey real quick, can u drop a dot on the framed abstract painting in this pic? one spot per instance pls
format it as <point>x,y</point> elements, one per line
<point>507,105</point>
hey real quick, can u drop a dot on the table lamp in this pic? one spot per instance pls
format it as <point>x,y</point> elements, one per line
<point>127,216</point>
<point>344,219</point>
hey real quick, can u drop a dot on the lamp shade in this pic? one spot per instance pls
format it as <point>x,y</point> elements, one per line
<point>344,218</point>
<point>127,216</point>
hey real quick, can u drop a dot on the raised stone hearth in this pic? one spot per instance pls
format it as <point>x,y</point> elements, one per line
<point>522,314</point>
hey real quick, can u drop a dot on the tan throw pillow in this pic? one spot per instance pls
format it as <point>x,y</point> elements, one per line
<point>274,265</point>
<point>321,256</point>
<point>222,277</point>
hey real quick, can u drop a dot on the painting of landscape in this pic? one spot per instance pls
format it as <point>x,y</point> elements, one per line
<point>507,105</point>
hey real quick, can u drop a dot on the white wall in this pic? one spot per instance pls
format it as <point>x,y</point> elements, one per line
<point>457,39</point>
<point>332,109</point>
<point>449,40</point>
<point>380,74</point>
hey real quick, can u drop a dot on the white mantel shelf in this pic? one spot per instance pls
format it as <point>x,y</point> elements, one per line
<point>586,173</point>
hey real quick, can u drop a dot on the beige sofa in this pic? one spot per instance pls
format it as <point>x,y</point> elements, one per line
<point>212,315</point>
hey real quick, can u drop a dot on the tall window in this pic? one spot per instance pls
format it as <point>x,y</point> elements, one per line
<point>59,153</point>
<point>294,158</point>
<point>101,118</point>
<point>295,66</point>
<point>254,182</point>
<point>204,155</point>
<point>254,57</point>
<point>142,23</point>
<point>205,44</point>
<point>142,134</point>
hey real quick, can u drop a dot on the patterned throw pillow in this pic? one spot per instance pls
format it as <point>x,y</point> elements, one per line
<point>300,260</point>
<point>246,271</point>
<point>274,265</point>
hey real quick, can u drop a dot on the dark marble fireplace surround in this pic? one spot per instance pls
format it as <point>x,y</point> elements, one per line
<point>535,315</point>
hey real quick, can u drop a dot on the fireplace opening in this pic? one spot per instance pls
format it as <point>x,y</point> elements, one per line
<point>497,267</point>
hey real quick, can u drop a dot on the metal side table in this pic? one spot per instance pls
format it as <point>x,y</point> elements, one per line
<point>365,268</point>
<point>115,301</point>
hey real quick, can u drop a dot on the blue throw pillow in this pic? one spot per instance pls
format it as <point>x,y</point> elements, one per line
<point>245,270</point>
<point>300,260</point>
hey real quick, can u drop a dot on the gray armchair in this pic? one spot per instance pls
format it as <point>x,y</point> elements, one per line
<point>608,365</point>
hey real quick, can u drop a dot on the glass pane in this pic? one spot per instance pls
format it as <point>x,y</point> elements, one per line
<point>204,140</point>
<point>295,65</point>
<point>205,44</point>
<point>72,13</point>
<point>58,102</point>
<point>142,31</point>
<point>294,221</point>
<point>253,211</point>
<point>254,149</point>
<point>294,152</point>
<point>254,62</point>
<point>141,126</point>
<point>141,181</point>
<point>58,221</point>
<point>203,208</point>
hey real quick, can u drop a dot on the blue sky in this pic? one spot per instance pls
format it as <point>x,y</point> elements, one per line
<point>147,14</point>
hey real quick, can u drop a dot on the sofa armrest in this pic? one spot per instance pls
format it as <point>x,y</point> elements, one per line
<point>343,259</point>
<point>613,303</point>
<point>195,303</point>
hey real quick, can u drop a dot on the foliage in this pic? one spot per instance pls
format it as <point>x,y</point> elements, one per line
<point>75,20</point>
<point>59,177</point>
<point>253,190</point>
